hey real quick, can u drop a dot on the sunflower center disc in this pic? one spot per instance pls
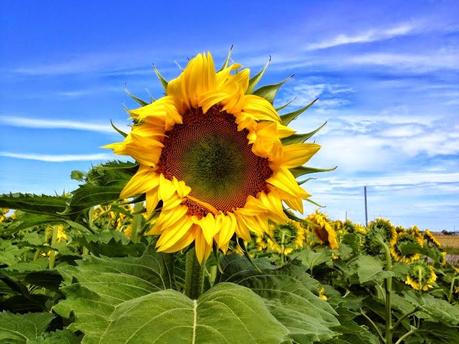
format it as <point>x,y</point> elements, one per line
<point>214,159</point>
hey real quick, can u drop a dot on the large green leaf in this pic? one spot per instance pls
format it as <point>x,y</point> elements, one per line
<point>42,204</point>
<point>289,294</point>
<point>311,258</point>
<point>58,337</point>
<point>25,220</point>
<point>96,286</point>
<point>23,328</point>
<point>432,308</point>
<point>227,313</point>
<point>369,269</point>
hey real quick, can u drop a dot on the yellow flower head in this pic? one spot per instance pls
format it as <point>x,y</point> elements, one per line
<point>323,229</point>
<point>211,153</point>
<point>421,276</point>
<point>60,234</point>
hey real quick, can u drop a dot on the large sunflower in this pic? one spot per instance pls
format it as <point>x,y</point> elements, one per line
<point>215,156</point>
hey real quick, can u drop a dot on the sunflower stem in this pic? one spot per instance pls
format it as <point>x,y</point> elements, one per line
<point>388,290</point>
<point>194,275</point>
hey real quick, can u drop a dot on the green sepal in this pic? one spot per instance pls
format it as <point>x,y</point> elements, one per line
<point>302,170</point>
<point>305,181</point>
<point>161,78</point>
<point>135,98</point>
<point>228,58</point>
<point>269,92</point>
<point>287,118</point>
<point>315,203</point>
<point>300,138</point>
<point>257,77</point>
<point>291,215</point>
<point>282,107</point>
<point>122,133</point>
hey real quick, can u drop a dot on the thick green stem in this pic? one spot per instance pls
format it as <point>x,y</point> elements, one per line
<point>194,275</point>
<point>388,289</point>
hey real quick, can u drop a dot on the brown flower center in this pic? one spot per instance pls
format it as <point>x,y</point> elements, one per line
<point>214,159</point>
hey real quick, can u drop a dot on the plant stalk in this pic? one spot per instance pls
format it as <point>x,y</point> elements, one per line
<point>388,290</point>
<point>52,252</point>
<point>194,275</point>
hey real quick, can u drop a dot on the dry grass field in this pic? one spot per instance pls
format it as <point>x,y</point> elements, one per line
<point>451,245</point>
<point>450,241</point>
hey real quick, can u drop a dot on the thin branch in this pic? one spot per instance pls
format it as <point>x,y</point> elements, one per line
<point>410,332</point>
<point>374,325</point>
<point>406,316</point>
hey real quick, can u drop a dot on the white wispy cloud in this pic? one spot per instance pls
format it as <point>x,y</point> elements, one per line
<point>42,123</point>
<point>423,62</point>
<point>364,37</point>
<point>57,157</point>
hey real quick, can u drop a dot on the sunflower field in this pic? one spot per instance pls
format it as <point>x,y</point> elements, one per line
<point>201,238</point>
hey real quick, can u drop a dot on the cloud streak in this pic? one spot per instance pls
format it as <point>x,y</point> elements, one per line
<point>41,123</point>
<point>57,157</point>
<point>364,37</point>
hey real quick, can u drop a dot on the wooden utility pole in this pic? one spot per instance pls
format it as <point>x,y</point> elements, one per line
<point>366,206</point>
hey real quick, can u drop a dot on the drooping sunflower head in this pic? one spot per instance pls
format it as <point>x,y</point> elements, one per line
<point>217,157</point>
<point>421,276</point>
<point>404,247</point>
<point>323,229</point>
<point>379,229</point>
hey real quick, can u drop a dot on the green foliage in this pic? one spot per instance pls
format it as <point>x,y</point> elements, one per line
<point>31,328</point>
<point>76,268</point>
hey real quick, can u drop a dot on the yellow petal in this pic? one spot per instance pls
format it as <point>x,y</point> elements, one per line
<point>295,204</point>
<point>168,218</point>
<point>198,78</point>
<point>273,204</point>
<point>209,227</point>
<point>259,108</point>
<point>144,180</point>
<point>298,154</point>
<point>227,225</point>
<point>185,241</point>
<point>151,200</point>
<point>174,234</point>
<point>241,229</point>
<point>284,180</point>
<point>202,248</point>
<point>160,111</point>
<point>166,188</point>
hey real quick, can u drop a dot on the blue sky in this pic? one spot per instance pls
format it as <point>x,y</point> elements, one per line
<point>387,74</point>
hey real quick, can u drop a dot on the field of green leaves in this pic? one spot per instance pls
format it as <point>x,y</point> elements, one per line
<point>77,268</point>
